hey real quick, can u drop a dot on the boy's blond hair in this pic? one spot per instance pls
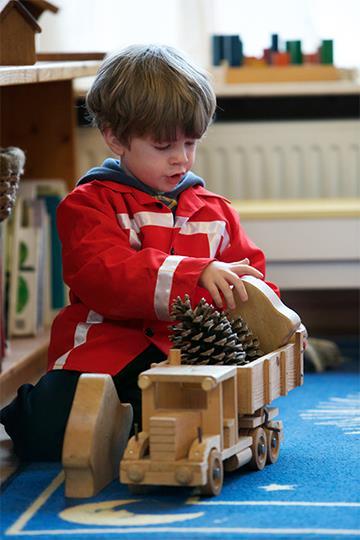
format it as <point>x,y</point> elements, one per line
<point>151,90</point>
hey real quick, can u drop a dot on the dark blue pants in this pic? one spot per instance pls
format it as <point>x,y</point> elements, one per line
<point>36,419</point>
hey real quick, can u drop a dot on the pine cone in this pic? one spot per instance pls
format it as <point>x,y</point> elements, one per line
<point>247,339</point>
<point>12,162</point>
<point>204,335</point>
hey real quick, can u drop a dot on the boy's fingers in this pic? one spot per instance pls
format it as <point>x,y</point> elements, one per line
<point>243,261</point>
<point>214,291</point>
<point>227,293</point>
<point>242,269</point>
<point>255,272</point>
<point>240,287</point>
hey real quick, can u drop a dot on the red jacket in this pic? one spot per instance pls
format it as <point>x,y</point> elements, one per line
<point>125,259</point>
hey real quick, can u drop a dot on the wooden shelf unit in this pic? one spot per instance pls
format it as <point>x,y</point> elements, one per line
<point>47,71</point>
<point>38,115</point>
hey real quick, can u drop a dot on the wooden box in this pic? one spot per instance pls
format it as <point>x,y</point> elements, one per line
<point>236,75</point>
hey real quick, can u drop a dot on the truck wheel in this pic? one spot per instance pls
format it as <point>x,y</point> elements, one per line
<point>273,444</point>
<point>215,475</point>
<point>259,448</point>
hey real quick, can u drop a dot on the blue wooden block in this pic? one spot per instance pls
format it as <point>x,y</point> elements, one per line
<point>217,49</point>
<point>233,50</point>
<point>274,43</point>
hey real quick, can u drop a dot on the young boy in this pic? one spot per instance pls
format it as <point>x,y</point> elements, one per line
<point>136,233</point>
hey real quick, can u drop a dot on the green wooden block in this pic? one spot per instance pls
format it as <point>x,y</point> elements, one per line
<point>327,52</point>
<point>294,48</point>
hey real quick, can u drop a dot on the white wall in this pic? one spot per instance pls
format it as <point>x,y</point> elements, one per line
<point>107,25</point>
<point>85,25</point>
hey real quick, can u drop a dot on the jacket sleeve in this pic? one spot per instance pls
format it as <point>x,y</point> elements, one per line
<point>106,273</point>
<point>240,246</point>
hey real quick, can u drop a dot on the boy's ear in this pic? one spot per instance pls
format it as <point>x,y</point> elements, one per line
<point>115,146</point>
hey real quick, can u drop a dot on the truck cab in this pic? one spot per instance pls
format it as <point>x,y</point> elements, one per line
<point>190,427</point>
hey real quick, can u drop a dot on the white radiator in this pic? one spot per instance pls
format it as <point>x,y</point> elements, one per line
<point>270,160</point>
<point>91,149</point>
<point>282,160</point>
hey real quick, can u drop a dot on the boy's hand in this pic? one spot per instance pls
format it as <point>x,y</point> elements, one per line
<point>219,277</point>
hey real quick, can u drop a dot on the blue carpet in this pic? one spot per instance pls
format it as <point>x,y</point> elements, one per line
<point>312,492</point>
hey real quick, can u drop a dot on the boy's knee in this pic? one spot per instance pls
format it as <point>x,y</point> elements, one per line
<point>36,419</point>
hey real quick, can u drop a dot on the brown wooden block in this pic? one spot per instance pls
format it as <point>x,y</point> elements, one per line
<point>266,315</point>
<point>96,435</point>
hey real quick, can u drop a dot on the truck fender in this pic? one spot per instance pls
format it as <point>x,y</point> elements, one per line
<point>137,446</point>
<point>199,451</point>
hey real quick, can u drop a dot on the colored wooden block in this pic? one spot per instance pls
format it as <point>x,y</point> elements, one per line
<point>311,58</point>
<point>326,52</point>
<point>294,49</point>
<point>267,56</point>
<point>233,50</point>
<point>274,42</point>
<point>280,58</point>
<point>217,49</point>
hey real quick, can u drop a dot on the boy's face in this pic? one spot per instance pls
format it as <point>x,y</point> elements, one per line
<point>160,166</point>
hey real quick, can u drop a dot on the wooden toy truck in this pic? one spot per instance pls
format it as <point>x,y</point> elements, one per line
<point>196,420</point>
<point>199,420</point>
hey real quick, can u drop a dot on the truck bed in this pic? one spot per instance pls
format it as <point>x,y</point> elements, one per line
<point>270,376</point>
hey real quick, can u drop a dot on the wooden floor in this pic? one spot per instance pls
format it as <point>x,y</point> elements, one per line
<point>8,460</point>
<point>25,363</point>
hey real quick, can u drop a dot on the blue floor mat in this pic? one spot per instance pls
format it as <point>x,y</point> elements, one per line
<point>311,492</point>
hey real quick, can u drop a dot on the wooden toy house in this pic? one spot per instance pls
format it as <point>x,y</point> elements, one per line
<point>37,7</point>
<point>17,34</point>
